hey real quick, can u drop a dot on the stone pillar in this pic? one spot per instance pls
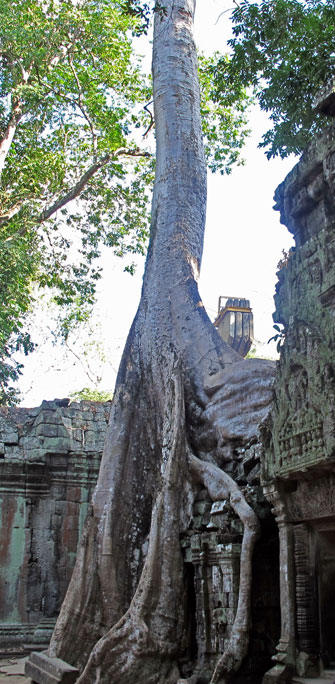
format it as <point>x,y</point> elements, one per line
<point>304,591</point>
<point>285,656</point>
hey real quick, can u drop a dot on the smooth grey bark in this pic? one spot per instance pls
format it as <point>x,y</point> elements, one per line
<point>8,135</point>
<point>123,618</point>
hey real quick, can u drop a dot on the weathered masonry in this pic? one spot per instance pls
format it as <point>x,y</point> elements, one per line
<point>299,468</point>
<point>212,551</point>
<point>49,463</point>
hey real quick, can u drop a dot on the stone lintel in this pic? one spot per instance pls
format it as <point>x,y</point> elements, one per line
<point>45,670</point>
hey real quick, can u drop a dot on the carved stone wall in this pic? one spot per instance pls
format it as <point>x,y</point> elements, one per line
<point>299,465</point>
<point>49,463</point>
<point>303,431</point>
<point>212,549</point>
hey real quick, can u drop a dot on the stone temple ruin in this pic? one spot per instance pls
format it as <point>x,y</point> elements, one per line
<point>50,457</point>
<point>49,464</point>
<point>235,323</point>
<point>298,468</point>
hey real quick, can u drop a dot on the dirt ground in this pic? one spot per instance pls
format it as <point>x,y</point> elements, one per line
<point>12,671</point>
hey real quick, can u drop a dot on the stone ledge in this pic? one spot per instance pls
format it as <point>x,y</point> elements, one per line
<point>44,670</point>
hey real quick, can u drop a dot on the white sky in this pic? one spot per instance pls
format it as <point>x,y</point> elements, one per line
<point>243,244</point>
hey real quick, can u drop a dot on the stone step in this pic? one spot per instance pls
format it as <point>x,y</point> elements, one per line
<point>312,680</point>
<point>44,670</point>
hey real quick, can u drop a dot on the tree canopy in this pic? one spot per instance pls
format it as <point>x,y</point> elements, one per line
<point>71,96</point>
<point>284,51</point>
<point>74,170</point>
<point>74,106</point>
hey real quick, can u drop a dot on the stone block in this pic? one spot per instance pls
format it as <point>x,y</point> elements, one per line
<point>9,435</point>
<point>45,670</point>
<point>89,439</point>
<point>55,474</point>
<point>196,542</point>
<point>188,555</point>
<point>13,452</point>
<point>220,507</point>
<point>197,522</point>
<point>55,444</point>
<point>279,674</point>
<point>48,417</point>
<point>47,430</point>
<point>201,507</point>
<point>237,526</point>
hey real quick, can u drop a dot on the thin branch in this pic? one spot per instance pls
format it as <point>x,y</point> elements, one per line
<point>95,379</point>
<point>25,72</point>
<point>80,104</point>
<point>17,112</point>
<point>230,9</point>
<point>152,120</point>
<point>4,218</point>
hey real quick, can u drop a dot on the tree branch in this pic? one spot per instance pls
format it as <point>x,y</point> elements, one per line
<point>80,104</point>
<point>95,379</point>
<point>16,115</point>
<point>152,120</point>
<point>17,112</point>
<point>76,190</point>
<point>73,193</point>
<point>4,218</point>
<point>9,133</point>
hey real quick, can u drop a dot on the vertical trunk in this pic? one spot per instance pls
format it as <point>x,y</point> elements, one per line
<point>123,618</point>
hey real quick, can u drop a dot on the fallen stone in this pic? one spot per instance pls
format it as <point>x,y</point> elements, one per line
<point>44,670</point>
<point>14,668</point>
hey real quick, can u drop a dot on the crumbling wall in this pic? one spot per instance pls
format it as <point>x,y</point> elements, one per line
<point>49,463</point>
<point>299,464</point>
<point>212,548</point>
<point>303,430</point>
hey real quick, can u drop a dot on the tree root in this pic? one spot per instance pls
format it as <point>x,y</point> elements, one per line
<point>221,486</point>
<point>144,644</point>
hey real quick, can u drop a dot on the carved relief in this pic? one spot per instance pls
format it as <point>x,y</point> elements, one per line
<point>299,467</point>
<point>315,272</point>
<point>312,499</point>
<point>329,255</point>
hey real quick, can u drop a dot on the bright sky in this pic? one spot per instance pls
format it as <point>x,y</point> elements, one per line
<point>243,245</point>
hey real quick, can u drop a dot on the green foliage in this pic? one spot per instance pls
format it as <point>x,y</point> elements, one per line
<point>252,353</point>
<point>71,97</point>
<point>224,118</point>
<point>72,177</point>
<point>87,394</point>
<point>284,50</point>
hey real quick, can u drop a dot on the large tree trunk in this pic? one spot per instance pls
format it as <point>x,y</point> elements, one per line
<point>123,618</point>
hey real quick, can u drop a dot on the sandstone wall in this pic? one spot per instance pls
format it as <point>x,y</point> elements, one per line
<point>49,463</point>
<point>299,465</point>
<point>303,430</point>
